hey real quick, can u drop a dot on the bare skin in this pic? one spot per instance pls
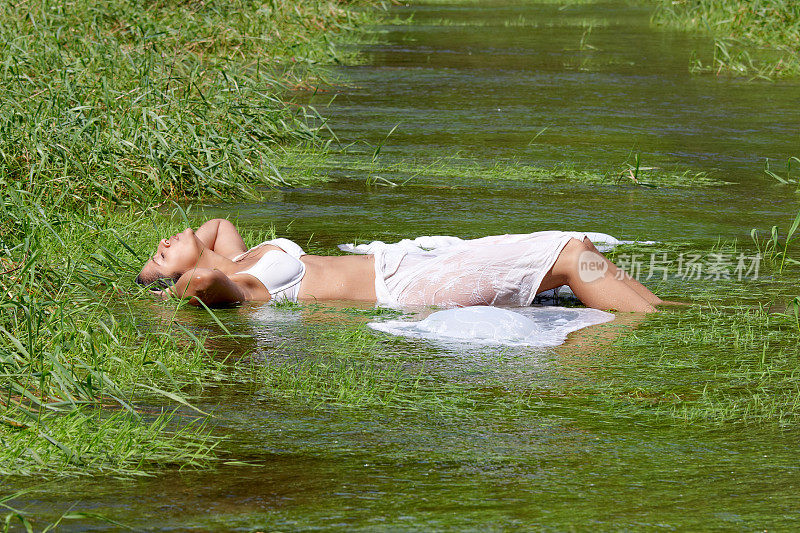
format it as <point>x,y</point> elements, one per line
<point>204,259</point>
<point>615,289</point>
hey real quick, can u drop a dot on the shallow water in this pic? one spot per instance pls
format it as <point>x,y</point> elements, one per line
<point>492,437</point>
<point>485,91</point>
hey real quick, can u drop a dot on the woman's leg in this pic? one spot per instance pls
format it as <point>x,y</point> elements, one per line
<point>596,281</point>
<point>617,272</point>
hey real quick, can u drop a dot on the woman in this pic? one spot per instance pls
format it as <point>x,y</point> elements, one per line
<point>213,264</point>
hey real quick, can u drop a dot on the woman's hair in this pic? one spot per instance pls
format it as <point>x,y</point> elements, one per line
<point>156,281</point>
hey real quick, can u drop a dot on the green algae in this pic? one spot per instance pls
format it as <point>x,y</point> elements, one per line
<point>458,170</point>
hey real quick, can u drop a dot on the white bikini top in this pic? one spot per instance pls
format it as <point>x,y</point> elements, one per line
<point>279,272</point>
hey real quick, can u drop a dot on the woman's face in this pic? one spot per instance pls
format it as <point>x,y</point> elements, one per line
<point>174,255</point>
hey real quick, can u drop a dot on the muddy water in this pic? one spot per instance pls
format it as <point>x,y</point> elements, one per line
<point>481,80</point>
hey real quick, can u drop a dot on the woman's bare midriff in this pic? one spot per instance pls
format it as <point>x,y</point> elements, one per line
<point>348,277</point>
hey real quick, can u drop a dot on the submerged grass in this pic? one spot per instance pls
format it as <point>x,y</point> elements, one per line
<point>351,367</point>
<point>730,358</point>
<point>560,3</point>
<point>393,172</point>
<point>520,22</point>
<point>755,39</point>
<point>710,365</point>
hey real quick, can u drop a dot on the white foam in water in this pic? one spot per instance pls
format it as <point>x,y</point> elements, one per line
<point>538,326</point>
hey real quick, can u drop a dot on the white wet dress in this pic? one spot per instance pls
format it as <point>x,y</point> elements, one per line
<point>499,270</point>
<point>504,270</point>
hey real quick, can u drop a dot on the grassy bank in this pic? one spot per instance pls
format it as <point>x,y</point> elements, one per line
<point>78,355</point>
<point>124,101</point>
<point>110,109</point>
<point>759,38</point>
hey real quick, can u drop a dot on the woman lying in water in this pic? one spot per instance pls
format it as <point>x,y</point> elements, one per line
<point>213,264</point>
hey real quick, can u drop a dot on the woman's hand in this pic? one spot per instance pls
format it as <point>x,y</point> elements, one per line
<point>164,294</point>
<point>211,286</point>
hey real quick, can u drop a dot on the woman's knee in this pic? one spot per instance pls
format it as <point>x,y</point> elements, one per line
<point>570,257</point>
<point>590,245</point>
<point>584,262</point>
<point>574,248</point>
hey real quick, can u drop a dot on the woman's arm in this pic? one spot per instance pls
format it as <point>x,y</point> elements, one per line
<point>211,286</point>
<point>221,236</point>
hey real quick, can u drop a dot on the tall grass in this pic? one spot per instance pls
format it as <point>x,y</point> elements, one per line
<point>120,103</point>
<point>74,350</point>
<point>758,38</point>
<point>129,101</point>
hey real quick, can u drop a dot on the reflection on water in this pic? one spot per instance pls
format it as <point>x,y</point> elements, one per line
<point>497,437</point>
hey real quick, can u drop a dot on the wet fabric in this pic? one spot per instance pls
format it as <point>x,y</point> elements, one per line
<point>602,241</point>
<point>535,326</point>
<point>389,258</point>
<point>500,270</point>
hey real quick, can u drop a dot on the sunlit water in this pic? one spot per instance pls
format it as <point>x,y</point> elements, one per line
<point>485,91</point>
<point>482,80</point>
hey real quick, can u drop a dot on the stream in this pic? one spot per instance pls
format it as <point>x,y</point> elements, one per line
<point>492,438</point>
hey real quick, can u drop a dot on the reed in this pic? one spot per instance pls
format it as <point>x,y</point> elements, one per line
<point>755,39</point>
<point>125,102</point>
<point>775,247</point>
<point>787,178</point>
